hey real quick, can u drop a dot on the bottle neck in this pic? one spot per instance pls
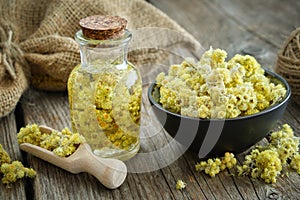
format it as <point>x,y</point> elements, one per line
<point>100,53</point>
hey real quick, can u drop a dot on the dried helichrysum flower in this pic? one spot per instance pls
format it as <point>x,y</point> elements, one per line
<point>30,134</point>
<point>118,118</point>
<point>295,163</point>
<point>4,157</point>
<point>14,171</point>
<point>267,162</point>
<point>62,143</point>
<point>214,88</point>
<point>285,143</point>
<point>214,166</point>
<point>180,185</point>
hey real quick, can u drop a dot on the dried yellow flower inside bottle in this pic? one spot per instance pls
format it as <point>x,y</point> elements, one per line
<point>105,89</point>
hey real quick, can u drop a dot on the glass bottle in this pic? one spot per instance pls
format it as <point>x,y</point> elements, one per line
<point>105,96</point>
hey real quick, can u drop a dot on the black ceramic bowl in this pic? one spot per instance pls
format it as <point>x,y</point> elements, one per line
<point>213,137</point>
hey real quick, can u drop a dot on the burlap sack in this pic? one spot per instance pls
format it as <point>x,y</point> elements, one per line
<point>42,32</point>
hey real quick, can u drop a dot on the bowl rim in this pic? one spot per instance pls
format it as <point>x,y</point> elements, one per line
<point>269,109</point>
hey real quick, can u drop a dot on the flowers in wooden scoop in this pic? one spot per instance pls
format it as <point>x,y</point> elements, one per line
<point>62,143</point>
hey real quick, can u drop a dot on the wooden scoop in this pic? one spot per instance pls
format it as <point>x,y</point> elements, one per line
<point>110,172</point>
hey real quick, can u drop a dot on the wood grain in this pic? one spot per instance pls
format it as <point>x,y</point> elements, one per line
<point>256,27</point>
<point>271,21</point>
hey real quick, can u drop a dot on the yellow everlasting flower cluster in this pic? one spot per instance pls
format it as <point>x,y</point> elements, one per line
<point>114,104</point>
<point>13,171</point>
<point>267,162</point>
<point>4,157</point>
<point>214,88</point>
<point>295,163</point>
<point>180,185</point>
<point>62,143</point>
<point>216,165</point>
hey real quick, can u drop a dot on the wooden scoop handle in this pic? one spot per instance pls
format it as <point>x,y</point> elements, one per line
<point>110,172</point>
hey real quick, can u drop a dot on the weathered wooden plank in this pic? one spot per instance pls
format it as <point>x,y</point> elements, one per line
<point>272,21</point>
<point>212,26</point>
<point>292,117</point>
<point>9,142</point>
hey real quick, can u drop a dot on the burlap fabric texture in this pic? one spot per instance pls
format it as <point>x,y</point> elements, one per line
<point>288,63</point>
<point>37,45</point>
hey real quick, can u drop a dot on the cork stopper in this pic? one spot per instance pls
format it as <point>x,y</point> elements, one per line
<point>103,27</point>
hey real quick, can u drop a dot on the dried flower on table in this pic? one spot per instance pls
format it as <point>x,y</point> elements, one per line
<point>14,171</point>
<point>295,163</point>
<point>214,166</point>
<point>4,157</point>
<point>180,185</point>
<point>267,162</point>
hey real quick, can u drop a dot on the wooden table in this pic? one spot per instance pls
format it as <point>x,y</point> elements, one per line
<point>258,27</point>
